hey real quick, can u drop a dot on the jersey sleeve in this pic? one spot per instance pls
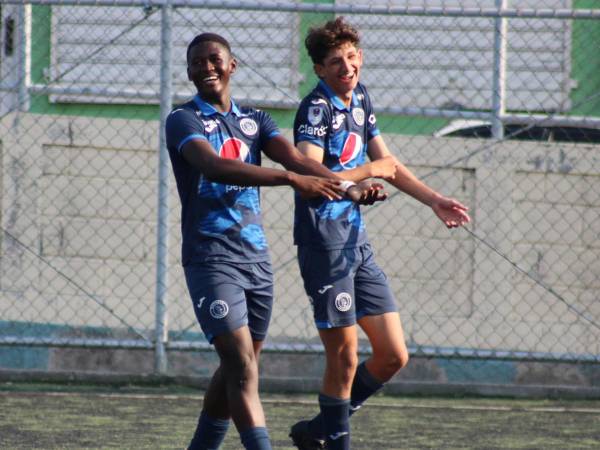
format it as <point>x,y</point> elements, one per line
<point>372,129</point>
<point>183,126</point>
<point>313,119</point>
<point>267,126</point>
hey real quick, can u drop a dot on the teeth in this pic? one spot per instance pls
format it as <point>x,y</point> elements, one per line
<point>209,79</point>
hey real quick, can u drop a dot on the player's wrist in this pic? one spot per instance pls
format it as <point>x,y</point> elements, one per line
<point>347,184</point>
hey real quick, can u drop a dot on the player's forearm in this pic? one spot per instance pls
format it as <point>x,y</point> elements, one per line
<point>307,166</point>
<point>242,174</point>
<point>408,183</point>
<point>358,173</point>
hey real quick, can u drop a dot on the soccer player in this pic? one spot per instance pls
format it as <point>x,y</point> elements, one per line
<point>341,278</point>
<point>215,150</point>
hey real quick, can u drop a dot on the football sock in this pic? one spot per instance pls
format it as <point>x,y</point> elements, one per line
<point>335,421</point>
<point>209,433</point>
<point>363,386</point>
<point>256,438</point>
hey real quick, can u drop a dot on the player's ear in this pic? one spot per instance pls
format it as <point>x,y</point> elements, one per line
<point>232,64</point>
<point>360,56</point>
<point>318,68</point>
<point>188,73</point>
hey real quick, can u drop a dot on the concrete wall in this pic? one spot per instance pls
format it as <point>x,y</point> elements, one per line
<point>80,195</point>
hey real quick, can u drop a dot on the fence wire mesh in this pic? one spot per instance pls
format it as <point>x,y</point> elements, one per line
<point>79,136</point>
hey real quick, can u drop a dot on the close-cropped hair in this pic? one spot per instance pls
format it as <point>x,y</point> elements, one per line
<point>320,40</point>
<point>207,37</point>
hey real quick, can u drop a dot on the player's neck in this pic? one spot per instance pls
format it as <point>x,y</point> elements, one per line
<point>222,103</point>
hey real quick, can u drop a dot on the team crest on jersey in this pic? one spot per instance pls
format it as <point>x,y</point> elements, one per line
<point>343,302</point>
<point>234,148</point>
<point>210,125</point>
<point>352,148</point>
<point>248,127</point>
<point>315,113</point>
<point>372,119</point>
<point>358,114</point>
<point>338,120</point>
<point>218,309</point>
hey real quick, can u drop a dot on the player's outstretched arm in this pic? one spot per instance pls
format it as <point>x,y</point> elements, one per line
<point>201,155</point>
<point>450,211</point>
<point>307,159</point>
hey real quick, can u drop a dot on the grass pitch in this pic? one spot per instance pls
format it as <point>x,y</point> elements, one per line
<point>92,417</point>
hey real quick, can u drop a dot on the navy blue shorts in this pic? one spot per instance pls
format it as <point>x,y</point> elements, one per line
<point>344,285</point>
<point>227,296</point>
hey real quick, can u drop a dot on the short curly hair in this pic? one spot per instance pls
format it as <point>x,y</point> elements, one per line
<point>320,40</point>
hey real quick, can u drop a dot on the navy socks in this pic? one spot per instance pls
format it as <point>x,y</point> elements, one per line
<point>209,433</point>
<point>334,412</point>
<point>256,438</point>
<point>363,386</point>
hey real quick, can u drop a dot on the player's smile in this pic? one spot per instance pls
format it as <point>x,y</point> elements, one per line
<point>341,69</point>
<point>209,67</point>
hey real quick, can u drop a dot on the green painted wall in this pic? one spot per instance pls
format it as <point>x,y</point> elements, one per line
<point>585,70</point>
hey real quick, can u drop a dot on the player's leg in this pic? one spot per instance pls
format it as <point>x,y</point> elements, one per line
<point>240,373</point>
<point>389,347</point>
<point>215,417</point>
<point>378,317</point>
<point>218,296</point>
<point>334,400</point>
<point>328,282</point>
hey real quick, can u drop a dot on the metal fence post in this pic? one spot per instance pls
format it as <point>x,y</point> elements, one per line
<point>24,27</point>
<point>499,83</point>
<point>161,329</point>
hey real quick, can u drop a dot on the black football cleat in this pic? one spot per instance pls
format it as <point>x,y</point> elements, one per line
<point>303,438</point>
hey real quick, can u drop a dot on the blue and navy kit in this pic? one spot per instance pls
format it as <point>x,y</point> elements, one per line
<point>219,222</point>
<point>343,133</point>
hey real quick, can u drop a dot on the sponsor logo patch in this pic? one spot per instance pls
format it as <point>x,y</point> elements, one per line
<point>210,125</point>
<point>315,131</point>
<point>218,309</point>
<point>372,119</point>
<point>234,148</point>
<point>325,288</point>
<point>352,148</point>
<point>338,120</point>
<point>343,302</point>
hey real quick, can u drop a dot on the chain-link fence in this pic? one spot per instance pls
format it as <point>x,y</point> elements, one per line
<point>495,104</point>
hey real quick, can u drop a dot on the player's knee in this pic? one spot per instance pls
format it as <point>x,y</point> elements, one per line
<point>397,361</point>
<point>241,370</point>
<point>348,362</point>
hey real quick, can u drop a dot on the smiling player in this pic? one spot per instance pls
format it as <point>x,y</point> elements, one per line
<point>215,149</point>
<point>336,126</point>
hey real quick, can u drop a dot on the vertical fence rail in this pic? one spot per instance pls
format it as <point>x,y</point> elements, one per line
<point>162,257</point>
<point>499,78</point>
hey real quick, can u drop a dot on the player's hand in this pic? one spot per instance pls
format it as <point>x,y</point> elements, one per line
<point>309,187</point>
<point>384,168</point>
<point>366,193</point>
<point>451,212</point>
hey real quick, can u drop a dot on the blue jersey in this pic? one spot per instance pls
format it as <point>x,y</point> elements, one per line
<point>343,133</point>
<point>219,222</point>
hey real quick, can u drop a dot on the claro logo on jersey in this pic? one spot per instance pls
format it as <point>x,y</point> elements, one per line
<point>352,148</point>
<point>234,148</point>
<point>315,131</point>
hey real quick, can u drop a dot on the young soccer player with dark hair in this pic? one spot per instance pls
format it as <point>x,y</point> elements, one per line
<point>215,149</point>
<point>340,275</point>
